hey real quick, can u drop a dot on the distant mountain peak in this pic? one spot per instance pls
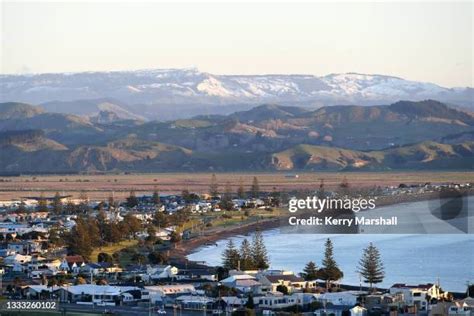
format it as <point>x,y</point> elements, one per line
<point>191,86</point>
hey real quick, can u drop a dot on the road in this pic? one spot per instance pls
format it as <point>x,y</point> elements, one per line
<point>123,310</point>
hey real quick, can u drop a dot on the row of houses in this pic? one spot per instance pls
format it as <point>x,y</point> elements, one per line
<point>190,289</point>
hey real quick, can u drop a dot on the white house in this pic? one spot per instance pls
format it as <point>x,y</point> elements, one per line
<point>72,264</point>
<point>157,272</point>
<point>16,259</point>
<point>347,298</point>
<point>290,281</point>
<point>277,301</point>
<point>243,282</point>
<point>417,294</point>
<point>195,302</point>
<point>99,294</point>
<point>171,289</point>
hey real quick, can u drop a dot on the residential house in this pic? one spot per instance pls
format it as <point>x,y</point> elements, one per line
<point>100,294</point>
<point>419,295</point>
<point>156,272</point>
<point>292,282</point>
<point>72,264</point>
<point>16,259</point>
<point>230,303</point>
<point>38,292</point>
<point>171,289</point>
<point>462,308</point>
<point>195,302</point>
<point>25,247</point>
<point>382,302</point>
<point>243,283</point>
<point>207,274</point>
<point>347,298</point>
<point>277,301</point>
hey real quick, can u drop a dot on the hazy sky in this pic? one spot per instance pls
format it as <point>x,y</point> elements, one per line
<point>419,41</point>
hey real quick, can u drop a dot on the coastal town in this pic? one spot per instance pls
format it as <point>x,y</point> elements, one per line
<point>129,256</point>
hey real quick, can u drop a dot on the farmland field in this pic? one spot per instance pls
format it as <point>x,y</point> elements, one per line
<point>101,186</point>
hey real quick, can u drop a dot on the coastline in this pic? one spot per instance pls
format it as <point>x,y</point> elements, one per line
<point>184,248</point>
<point>211,236</point>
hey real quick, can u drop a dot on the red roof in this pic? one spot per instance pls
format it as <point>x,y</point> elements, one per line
<point>74,259</point>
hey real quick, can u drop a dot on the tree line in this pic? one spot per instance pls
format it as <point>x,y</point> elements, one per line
<point>370,267</point>
<point>241,193</point>
<point>250,256</point>
<point>90,232</point>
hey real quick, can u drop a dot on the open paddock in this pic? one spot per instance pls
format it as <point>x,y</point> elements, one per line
<point>102,186</point>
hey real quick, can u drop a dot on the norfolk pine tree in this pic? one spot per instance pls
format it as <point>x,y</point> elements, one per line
<point>259,252</point>
<point>371,266</point>
<point>310,271</point>
<point>246,261</point>
<point>330,271</point>
<point>230,257</point>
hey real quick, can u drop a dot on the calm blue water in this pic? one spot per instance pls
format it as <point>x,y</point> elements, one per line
<point>410,259</point>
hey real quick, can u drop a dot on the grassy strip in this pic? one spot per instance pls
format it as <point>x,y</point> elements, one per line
<point>111,249</point>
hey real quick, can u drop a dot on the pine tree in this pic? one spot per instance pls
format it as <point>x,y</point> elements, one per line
<point>155,198</point>
<point>84,202</point>
<point>310,271</point>
<point>230,256</point>
<point>57,204</point>
<point>330,271</point>
<point>259,252</point>
<point>213,187</point>
<point>94,232</point>
<point>246,261</point>
<point>132,200</point>
<point>241,190</point>
<point>160,219</point>
<point>79,241</point>
<point>226,202</point>
<point>255,189</point>
<point>131,225</point>
<point>42,204</point>
<point>113,233</point>
<point>103,226</point>
<point>371,266</point>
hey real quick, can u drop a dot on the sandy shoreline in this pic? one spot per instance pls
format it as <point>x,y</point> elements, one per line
<point>184,248</point>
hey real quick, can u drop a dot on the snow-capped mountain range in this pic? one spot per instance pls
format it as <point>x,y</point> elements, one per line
<point>191,86</point>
